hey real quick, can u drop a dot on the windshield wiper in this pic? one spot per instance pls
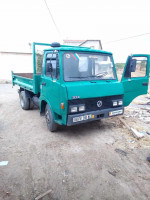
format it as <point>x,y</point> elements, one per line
<point>95,76</point>
<point>77,77</point>
<point>81,76</point>
<point>84,76</point>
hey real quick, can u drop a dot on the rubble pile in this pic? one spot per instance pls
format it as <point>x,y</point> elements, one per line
<point>140,112</point>
<point>140,108</point>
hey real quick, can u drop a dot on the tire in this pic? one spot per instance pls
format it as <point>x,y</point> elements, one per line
<point>51,125</point>
<point>31,104</point>
<point>24,101</point>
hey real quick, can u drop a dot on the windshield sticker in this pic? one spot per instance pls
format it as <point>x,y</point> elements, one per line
<point>67,55</point>
<point>75,56</point>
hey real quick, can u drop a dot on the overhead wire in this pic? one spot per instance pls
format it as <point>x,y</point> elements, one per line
<point>52,18</point>
<point>127,38</point>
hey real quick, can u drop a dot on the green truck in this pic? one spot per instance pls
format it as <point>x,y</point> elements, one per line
<point>78,84</point>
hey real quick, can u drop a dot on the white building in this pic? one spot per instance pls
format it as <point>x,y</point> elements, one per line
<point>15,58</point>
<point>93,44</point>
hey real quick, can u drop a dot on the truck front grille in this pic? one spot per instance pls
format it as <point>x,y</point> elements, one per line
<point>91,103</point>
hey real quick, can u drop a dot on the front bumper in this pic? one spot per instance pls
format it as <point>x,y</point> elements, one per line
<point>93,115</point>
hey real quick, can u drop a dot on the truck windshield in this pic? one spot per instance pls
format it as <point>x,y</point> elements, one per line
<point>87,66</point>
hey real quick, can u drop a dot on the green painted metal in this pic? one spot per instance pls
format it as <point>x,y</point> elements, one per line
<point>36,83</point>
<point>56,91</point>
<point>77,48</point>
<point>98,88</point>
<point>23,82</point>
<point>133,87</point>
<point>51,93</point>
<point>34,53</point>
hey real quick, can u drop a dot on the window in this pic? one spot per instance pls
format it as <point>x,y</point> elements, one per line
<point>51,66</point>
<point>87,66</point>
<point>140,67</point>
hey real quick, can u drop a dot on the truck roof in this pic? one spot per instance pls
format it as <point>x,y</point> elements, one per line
<point>77,48</point>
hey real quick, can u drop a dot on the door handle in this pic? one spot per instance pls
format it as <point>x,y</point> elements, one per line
<point>43,83</point>
<point>145,83</point>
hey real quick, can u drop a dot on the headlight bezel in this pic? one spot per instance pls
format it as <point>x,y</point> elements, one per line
<point>115,103</point>
<point>120,104</point>
<point>78,110</point>
<point>82,110</point>
<point>73,107</point>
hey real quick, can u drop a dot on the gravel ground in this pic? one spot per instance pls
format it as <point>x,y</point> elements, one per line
<point>93,161</point>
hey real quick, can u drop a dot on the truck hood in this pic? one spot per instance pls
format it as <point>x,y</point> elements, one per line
<point>91,89</point>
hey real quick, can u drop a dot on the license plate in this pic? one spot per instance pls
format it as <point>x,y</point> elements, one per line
<point>82,118</point>
<point>116,112</point>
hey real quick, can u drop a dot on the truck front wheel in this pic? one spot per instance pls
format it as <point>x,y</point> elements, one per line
<point>24,101</point>
<point>51,125</point>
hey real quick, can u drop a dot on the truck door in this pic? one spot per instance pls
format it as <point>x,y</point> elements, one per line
<point>135,78</point>
<point>50,85</point>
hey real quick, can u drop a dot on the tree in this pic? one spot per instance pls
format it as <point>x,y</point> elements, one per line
<point>39,63</point>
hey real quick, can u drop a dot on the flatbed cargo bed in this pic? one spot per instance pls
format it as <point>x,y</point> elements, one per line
<point>28,81</point>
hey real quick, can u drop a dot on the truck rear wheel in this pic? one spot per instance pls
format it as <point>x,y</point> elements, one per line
<point>24,101</point>
<point>51,125</point>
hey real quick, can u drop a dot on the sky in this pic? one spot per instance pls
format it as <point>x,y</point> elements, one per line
<point>25,21</point>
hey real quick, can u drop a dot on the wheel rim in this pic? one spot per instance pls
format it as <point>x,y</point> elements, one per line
<point>21,101</point>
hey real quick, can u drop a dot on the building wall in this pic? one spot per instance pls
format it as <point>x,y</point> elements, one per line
<point>73,43</point>
<point>16,62</point>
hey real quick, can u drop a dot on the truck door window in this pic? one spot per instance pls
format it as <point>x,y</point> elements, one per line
<point>51,66</point>
<point>140,67</point>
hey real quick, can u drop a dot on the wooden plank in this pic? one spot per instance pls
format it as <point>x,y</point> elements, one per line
<point>42,195</point>
<point>135,133</point>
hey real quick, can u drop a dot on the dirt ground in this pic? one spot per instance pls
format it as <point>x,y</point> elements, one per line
<point>93,161</point>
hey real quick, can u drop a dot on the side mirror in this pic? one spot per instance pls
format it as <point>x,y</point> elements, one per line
<point>49,67</point>
<point>132,65</point>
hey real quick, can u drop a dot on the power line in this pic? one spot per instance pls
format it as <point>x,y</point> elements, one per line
<point>52,17</point>
<point>127,38</point>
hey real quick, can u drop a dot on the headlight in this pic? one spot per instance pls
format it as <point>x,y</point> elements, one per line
<point>74,109</point>
<point>120,103</point>
<point>115,103</point>
<point>82,108</point>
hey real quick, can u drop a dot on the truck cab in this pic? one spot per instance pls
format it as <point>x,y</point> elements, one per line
<point>79,84</point>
